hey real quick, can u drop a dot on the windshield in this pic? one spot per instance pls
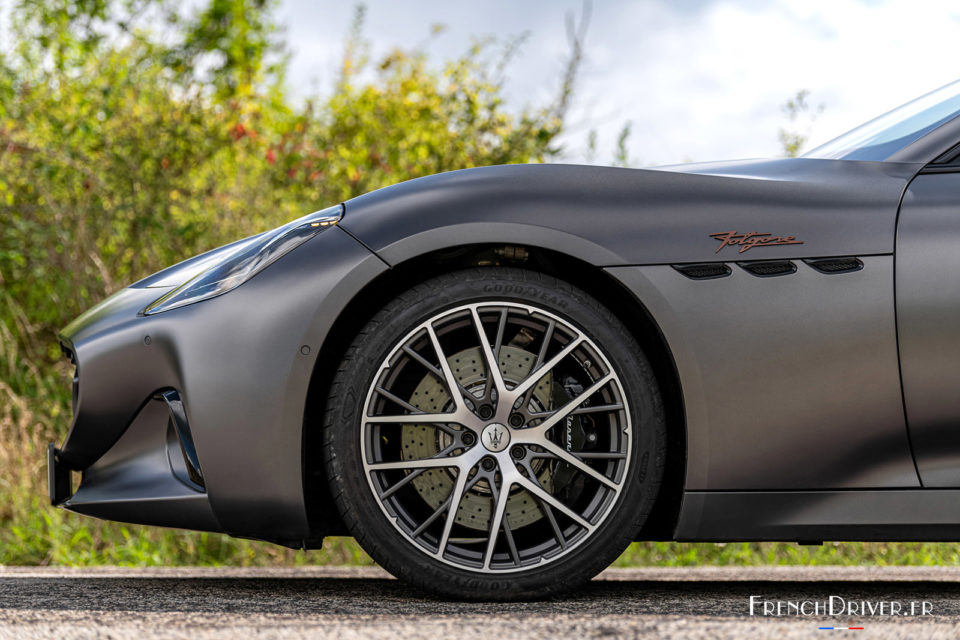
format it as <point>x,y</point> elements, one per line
<point>882,137</point>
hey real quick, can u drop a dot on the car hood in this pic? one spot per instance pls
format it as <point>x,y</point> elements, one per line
<point>612,216</point>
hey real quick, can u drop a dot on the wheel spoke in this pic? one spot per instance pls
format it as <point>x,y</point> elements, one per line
<point>411,476</point>
<point>448,376</point>
<point>397,400</point>
<point>568,408</point>
<point>418,418</point>
<point>547,337</point>
<point>436,371</point>
<point>456,495</point>
<point>410,420</point>
<point>548,511</point>
<point>597,409</point>
<point>438,512</point>
<point>511,543</point>
<point>543,494</point>
<point>574,461</point>
<point>501,327</point>
<point>537,373</point>
<point>600,408</point>
<point>425,463</point>
<point>501,507</point>
<point>544,507</point>
<point>586,455</point>
<point>493,367</point>
<point>401,484</point>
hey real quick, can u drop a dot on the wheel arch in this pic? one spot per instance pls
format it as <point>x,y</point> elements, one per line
<point>402,275</point>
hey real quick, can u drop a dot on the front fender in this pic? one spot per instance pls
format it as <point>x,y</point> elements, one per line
<point>615,217</point>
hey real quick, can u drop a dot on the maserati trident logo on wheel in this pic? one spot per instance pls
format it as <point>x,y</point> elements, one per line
<point>495,437</point>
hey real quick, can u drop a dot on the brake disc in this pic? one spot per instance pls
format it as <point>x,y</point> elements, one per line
<point>423,441</point>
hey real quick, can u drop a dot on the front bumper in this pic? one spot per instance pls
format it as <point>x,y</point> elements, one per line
<point>239,367</point>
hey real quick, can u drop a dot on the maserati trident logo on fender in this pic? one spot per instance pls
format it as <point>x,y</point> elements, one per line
<point>747,241</point>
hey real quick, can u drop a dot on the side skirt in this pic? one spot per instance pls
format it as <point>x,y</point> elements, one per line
<point>929,515</point>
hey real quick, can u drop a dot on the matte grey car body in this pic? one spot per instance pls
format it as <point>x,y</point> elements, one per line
<point>809,377</point>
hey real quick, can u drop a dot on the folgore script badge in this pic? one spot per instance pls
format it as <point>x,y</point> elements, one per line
<point>747,241</point>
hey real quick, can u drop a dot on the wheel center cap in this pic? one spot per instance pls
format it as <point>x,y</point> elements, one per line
<point>495,437</point>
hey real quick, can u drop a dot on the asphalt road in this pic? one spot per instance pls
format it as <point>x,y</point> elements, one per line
<point>196,604</point>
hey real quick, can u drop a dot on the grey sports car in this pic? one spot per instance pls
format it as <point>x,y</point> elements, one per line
<point>495,379</point>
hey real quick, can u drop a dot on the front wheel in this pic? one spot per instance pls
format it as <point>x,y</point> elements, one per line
<point>494,434</point>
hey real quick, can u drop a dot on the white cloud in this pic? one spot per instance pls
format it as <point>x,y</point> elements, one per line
<point>699,80</point>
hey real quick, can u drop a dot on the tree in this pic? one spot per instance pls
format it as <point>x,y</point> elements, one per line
<point>800,118</point>
<point>132,148</point>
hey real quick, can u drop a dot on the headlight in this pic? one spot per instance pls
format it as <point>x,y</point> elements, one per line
<point>249,258</point>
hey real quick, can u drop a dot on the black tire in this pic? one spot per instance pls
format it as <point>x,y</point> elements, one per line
<point>362,510</point>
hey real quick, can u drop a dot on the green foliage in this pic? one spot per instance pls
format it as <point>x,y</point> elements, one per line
<point>622,156</point>
<point>237,34</point>
<point>676,554</point>
<point>800,117</point>
<point>128,154</point>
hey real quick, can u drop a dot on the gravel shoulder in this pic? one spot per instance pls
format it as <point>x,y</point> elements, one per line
<point>364,602</point>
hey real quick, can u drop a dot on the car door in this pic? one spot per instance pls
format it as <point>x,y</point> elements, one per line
<point>927,276</point>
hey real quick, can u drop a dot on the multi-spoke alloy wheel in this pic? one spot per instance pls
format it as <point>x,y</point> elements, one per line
<point>496,436</point>
<point>502,438</point>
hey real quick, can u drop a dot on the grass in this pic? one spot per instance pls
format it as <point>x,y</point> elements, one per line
<point>684,554</point>
<point>34,410</point>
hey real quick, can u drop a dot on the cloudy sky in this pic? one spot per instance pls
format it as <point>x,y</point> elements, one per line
<point>698,79</point>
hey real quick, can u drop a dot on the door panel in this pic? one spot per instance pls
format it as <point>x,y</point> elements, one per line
<point>928,323</point>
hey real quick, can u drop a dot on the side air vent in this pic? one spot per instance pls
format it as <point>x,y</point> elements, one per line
<point>75,388</point>
<point>836,265</point>
<point>181,431</point>
<point>769,268</point>
<point>705,271</point>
